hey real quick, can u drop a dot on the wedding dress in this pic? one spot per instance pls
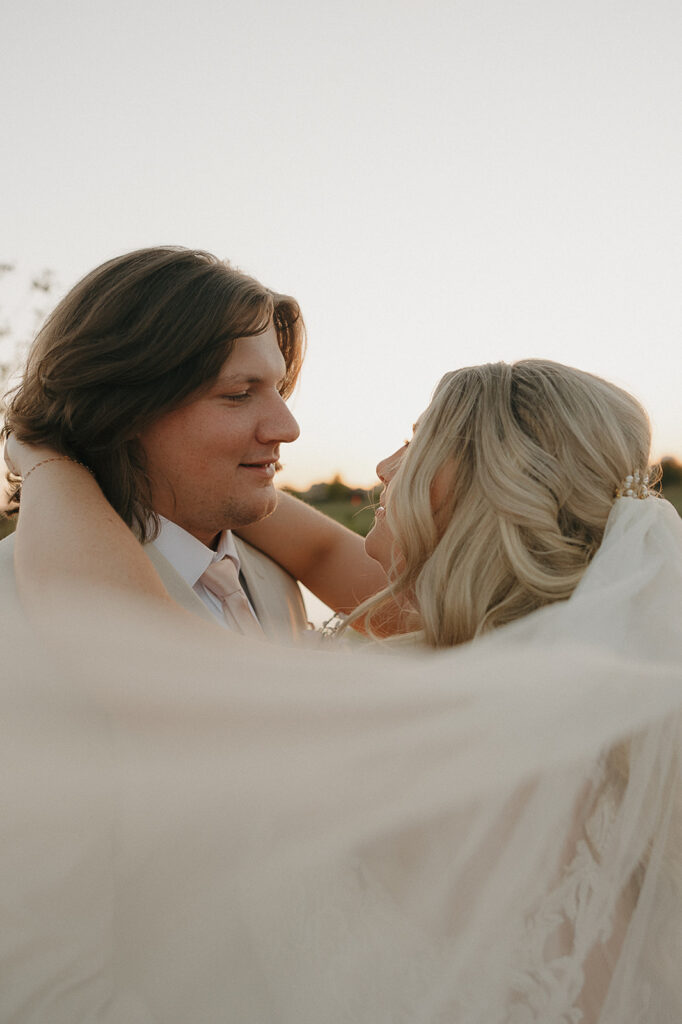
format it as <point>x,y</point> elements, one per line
<point>201,833</point>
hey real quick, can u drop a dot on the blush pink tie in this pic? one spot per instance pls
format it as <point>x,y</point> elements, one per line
<point>222,579</point>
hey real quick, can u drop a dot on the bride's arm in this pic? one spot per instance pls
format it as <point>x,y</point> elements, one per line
<point>67,532</point>
<point>327,558</point>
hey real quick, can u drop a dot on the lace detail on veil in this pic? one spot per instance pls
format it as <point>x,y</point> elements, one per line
<point>549,982</point>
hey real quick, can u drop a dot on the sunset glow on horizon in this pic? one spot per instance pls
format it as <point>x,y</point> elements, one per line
<point>437,184</point>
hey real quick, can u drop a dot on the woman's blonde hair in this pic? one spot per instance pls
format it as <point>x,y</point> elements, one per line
<point>532,454</point>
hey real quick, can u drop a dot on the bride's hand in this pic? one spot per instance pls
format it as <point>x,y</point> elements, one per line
<point>20,457</point>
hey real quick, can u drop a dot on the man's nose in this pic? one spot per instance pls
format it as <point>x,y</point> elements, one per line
<point>280,425</point>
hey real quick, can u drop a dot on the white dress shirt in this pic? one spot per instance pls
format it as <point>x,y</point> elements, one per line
<point>190,559</point>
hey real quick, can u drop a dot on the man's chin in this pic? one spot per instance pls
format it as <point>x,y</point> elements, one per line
<point>267,507</point>
<point>247,515</point>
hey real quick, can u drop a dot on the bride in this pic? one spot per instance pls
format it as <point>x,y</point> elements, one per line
<point>484,834</point>
<point>497,505</point>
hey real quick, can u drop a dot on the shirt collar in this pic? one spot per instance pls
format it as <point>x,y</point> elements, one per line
<point>188,556</point>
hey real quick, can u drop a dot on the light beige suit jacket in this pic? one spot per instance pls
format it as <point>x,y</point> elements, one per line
<point>8,589</point>
<point>274,593</point>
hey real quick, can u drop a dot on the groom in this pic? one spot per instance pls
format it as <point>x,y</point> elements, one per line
<point>166,371</point>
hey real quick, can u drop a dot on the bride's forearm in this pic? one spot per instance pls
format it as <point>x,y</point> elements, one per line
<point>327,558</point>
<point>68,532</point>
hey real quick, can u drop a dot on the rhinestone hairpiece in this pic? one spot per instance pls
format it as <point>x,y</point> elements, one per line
<point>634,486</point>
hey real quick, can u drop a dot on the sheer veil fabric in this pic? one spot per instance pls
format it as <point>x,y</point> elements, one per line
<point>206,830</point>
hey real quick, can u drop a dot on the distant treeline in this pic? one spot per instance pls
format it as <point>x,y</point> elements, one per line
<point>351,506</point>
<point>672,472</point>
<point>335,490</point>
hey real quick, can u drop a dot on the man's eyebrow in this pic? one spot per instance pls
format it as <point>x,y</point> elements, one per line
<point>239,379</point>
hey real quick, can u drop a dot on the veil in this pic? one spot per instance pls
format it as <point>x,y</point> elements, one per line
<point>198,829</point>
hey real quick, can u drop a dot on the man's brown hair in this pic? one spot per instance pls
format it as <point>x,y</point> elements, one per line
<point>136,338</point>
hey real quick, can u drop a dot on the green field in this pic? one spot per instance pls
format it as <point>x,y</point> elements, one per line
<point>6,526</point>
<point>357,518</point>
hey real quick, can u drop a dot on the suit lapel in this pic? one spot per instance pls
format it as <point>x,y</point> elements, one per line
<point>256,586</point>
<point>177,588</point>
<point>273,594</point>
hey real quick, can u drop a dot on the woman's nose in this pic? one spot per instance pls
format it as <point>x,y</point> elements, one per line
<point>386,469</point>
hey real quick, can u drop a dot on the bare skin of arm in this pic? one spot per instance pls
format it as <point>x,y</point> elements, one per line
<point>68,532</point>
<point>327,558</point>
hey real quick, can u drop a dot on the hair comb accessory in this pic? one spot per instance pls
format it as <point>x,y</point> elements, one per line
<point>634,486</point>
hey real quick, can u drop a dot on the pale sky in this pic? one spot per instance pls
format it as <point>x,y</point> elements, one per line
<point>438,183</point>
